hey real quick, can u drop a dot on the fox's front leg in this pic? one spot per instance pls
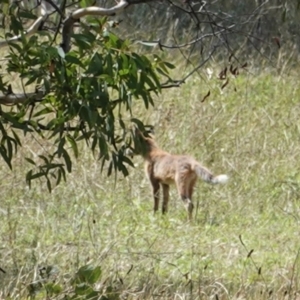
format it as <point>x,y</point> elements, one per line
<point>165,198</point>
<point>155,192</point>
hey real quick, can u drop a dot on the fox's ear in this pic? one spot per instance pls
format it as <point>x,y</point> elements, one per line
<point>147,131</point>
<point>129,152</point>
<point>137,133</point>
<point>150,130</point>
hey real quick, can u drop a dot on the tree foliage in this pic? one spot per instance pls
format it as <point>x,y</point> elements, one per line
<point>81,95</point>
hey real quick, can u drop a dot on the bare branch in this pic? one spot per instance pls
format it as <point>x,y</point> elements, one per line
<point>41,127</point>
<point>55,7</point>
<point>178,83</point>
<point>88,11</point>
<point>12,99</point>
<point>30,31</point>
<point>69,22</point>
<point>178,46</point>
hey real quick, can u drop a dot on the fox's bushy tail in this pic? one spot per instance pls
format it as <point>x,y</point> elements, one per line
<point>207,176</point>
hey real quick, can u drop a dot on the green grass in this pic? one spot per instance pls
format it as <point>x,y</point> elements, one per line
<point>244,240</point>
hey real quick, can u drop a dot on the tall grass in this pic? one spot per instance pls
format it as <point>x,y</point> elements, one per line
<point>243,242</point>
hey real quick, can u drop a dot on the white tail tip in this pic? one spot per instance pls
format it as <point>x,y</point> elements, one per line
<point>221,179</point>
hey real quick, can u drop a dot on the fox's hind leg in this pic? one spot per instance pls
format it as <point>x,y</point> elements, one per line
<point>185,185</point>
<point>190,189</point>
<point>191,185</point>
<point>165,198</point>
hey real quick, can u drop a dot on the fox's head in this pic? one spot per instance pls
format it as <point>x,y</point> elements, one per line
<point>143,142</point>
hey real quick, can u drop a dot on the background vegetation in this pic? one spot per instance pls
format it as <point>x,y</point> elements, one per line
<point>243,242</point>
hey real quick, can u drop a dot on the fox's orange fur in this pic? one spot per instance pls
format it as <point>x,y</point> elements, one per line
<point>163,169</point>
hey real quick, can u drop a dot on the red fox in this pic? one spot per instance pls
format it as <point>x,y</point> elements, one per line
<point>163,169</point>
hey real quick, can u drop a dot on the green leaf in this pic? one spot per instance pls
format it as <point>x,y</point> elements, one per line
<point>26,14</point>
<point>84,41</point>
<point>61,52</point>
<point>58,178</point>
<point>162,72</point>
<point>88,274</point>
<point>67,160</point>
<point>127,160</point>
<point>45,159</point>
<point>104,159</point>
<point>109,64</point>
<point>109,170</point>
<point>138,123</point>
<point>28,178</point>
<point>149,82</point>
<point>30,161</point>
<point>72,59</point>
<point>31,80</point>
<point>36,175</point>
<point>53,289</point>
<point>103,145</point>
<point>16,25</point>
<point>73,144</point>
<point>169,65</point>
<point>9,148</point>
<point>83,289</point>
<point>122,168</point>
<point>96,64</point>
<point>17,139</point>
<point>5,156</point>
<point>86,3</point>
<point>44,111</point>
<point>49,184</point>
<point>95,295</point>
<point>16,46</point>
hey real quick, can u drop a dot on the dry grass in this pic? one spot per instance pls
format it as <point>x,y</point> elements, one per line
<point>243,243</point>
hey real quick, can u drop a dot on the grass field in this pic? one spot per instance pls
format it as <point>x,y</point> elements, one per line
<point>243,242</point>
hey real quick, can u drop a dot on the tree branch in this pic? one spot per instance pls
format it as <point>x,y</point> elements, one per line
<point>178,83</point>
<point>55,7</point>
<point>88,11</point>
<point>30,31</point>
<point>178,46</point>
<point>12,99</point>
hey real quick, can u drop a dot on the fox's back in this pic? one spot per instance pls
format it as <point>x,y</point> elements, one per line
<point>165,166</point>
